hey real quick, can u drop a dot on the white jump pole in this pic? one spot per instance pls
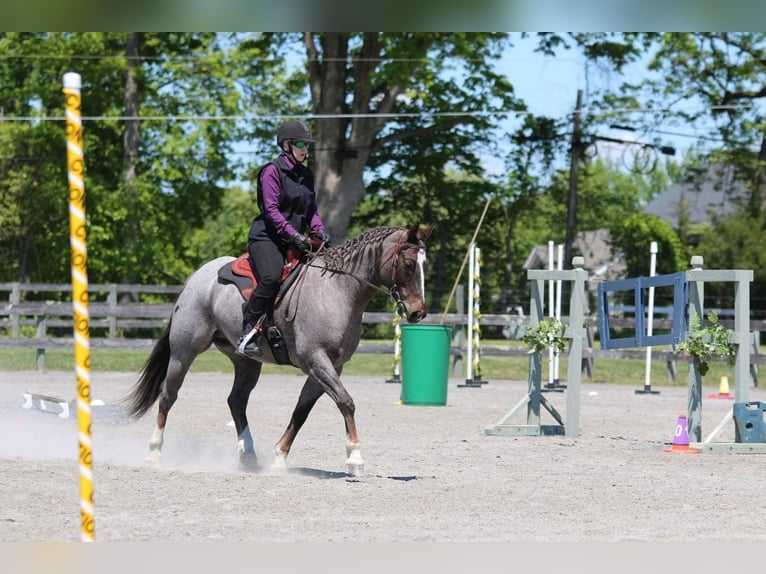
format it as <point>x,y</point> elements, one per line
<point>649,324</point>
<point>471,273</point>
<point>556,354</point>
<point>551,311</point>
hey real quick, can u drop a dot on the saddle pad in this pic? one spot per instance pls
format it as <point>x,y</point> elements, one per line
<point>234,272</point>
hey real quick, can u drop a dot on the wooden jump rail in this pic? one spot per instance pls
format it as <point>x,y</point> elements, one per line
<point>116,318</point>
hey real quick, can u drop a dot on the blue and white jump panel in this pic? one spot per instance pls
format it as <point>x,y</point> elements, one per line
<point>640,286</point>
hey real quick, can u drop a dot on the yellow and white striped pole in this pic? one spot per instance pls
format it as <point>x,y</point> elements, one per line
<point>476,331</point>
<point>473,368</point>
<point>78,243</point>
<point>396,376</point>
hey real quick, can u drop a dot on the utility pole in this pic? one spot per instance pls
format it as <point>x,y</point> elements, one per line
<point>572,196</point>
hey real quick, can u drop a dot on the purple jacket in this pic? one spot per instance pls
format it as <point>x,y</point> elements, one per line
<point>287,201</point>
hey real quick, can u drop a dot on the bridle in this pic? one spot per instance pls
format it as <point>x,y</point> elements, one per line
<point>393,291</point>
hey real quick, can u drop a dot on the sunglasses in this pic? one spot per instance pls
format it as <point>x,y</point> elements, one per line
<point>299,144</point>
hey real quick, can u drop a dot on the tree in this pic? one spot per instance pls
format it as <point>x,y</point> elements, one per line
<point>736,242</point>
<point>147,190</point>
<point>370,92</point>
<point>711,82</point>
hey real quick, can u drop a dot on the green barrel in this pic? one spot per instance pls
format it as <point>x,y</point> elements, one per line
<point>425,364</point>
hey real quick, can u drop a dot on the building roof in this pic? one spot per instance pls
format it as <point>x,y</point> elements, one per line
<point>712,192</point>
<point>594,247</point>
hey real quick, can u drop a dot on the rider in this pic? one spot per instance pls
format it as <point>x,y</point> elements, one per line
<point>288,210</point>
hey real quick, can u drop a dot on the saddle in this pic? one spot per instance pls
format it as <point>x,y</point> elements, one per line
<point>240,273</point>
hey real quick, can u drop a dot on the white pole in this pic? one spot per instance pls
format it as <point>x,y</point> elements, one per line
<point>551,312</point>
<point>559,267</point>
<point>650,315</point>
<point>469,339</point>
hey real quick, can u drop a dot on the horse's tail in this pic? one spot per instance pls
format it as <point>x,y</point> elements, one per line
<point>147,390</point>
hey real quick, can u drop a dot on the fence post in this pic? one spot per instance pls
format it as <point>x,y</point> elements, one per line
<point>694,409</point>
<point>15,299</point>
<point>111,299</point>
<point>41,333</point>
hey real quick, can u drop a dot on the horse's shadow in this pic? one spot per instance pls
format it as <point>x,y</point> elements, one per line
<point>329,474</point>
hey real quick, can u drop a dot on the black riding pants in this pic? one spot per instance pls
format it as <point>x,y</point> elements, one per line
<point>267,261</point>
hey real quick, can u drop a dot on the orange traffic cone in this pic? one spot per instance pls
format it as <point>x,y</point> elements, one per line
<point>681,438</point>
<point>723,389</point>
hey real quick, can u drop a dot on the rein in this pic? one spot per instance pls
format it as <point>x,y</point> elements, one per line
<point>393,291</point>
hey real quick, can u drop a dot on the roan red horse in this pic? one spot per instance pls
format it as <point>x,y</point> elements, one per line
<point>318,324</point>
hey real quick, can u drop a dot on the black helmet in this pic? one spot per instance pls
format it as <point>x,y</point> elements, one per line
<point>293,130</point>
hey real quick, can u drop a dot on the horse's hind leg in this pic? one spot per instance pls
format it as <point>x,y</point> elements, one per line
<point>174,378</point>
<point>246,373</point>
<point>310,393</point>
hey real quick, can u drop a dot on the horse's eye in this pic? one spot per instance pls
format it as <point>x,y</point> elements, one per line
<point>409,264</point>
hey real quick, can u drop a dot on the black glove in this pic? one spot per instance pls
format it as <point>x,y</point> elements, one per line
<point>300,242</point>
<point>324,238</point>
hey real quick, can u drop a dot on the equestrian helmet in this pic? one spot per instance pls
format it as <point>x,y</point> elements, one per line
<point>293,130</point>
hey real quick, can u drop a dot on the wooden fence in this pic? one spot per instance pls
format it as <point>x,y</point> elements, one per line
<point>122,315</point>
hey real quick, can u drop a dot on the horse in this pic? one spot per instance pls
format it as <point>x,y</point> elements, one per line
<point>319,318</point>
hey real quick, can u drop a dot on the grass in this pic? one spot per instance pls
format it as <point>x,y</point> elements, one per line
<point>622,371</point>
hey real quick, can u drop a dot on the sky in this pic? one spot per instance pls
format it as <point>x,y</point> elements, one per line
<point>549,87</point>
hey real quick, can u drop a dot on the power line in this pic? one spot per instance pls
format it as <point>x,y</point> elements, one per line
<point>343,116</point>
<point>274,116</point>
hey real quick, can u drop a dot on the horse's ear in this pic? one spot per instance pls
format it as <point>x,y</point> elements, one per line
<point>416,235</point>
<point>424,234</point>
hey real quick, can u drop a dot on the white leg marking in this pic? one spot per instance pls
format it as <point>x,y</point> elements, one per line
<point>155,447</point>
<point>354,462</point>
<point>280,460</point>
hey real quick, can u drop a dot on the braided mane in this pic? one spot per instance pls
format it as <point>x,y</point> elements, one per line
<point>356,249</point>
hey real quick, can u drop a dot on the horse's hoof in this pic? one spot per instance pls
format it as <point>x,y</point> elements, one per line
<point>279,464</point>
<point>152,460</point>
<point>249,461</point>
<point>355,469</point>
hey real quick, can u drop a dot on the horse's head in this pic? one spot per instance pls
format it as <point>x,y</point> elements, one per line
<point>408,286</point>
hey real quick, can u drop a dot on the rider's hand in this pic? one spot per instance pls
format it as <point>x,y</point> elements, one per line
<point>300,242</point>
<point>324,238</point>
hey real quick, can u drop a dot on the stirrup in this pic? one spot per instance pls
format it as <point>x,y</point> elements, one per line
<point>247,346</point>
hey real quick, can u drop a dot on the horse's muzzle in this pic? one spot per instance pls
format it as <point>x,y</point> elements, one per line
<point>416,316</point>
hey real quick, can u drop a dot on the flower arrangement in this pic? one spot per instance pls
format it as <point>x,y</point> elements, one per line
<point>705,343</point>
<point>547,333</point>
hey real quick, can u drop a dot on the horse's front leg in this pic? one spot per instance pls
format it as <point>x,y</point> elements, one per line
<point>354,462</point>
<point>310,393</point>
<point>330,381</point>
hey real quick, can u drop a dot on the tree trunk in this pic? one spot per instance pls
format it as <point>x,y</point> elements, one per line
<point>343,143</point>
<point>758,190</point>
<point>131,101</point>
<point>130,140</point>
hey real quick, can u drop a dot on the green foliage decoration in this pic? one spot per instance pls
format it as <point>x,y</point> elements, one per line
<point>708,342</point>
<point>547,333</point>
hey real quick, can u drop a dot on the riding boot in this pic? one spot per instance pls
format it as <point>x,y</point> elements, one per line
<point>247,344</point>
<point>253,313</point>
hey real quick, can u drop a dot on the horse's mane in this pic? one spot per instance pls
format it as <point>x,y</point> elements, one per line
<point>370,240</point>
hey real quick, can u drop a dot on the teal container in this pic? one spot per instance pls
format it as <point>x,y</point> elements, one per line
<point>749,425</point>
<point>425,364</point>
